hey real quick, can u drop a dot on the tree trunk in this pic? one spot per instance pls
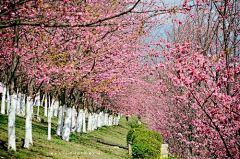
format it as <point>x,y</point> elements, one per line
<point>51,105</point>
<point>56,108</point>
<point>60,121</point>
<point>43,100</point>
<point>22,107</point>
<point>28,128</point>
<point>99,120</point>
<point>11,123</point>
<point>93,121</point>
<point>79,121</point>
<point>73,125</point>
<point>110,120</point>
<point>38,107</point>
<point>84,121</point>
<point>86,113</point>
<point>118,118</point>
<point>18,104</point>
<point>106,119</point>
<point>114,119</point>
<point>8,101</point>
<point>50,110</point>
<point>89,128</point>
<point>67,125</point>
<point>38,103</point>
<point>46,105</point>
<point>103,119</point>
<point>31,108</point>
<point>3,99</point>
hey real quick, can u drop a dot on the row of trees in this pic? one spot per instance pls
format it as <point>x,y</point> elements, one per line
<point>198,82</point>
<point>68,51</point>
<point>185,86</point>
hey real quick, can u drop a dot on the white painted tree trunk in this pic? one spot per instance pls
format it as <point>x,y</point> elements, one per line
<point>106,119</point>
<point>103,118</point>
<point>99,120</point>
<point>38,107</point>
<point>42,100</point>
<point>3,99</point>
<point>95,121</point>
<point>118,118</point>
<point>60,121</point>
<point>67,125</point>
<point>46,105</point>
<point>89,128</point>
<point>51,105</point>
<point>50,121</point>
<point>28,127</point>
<point>64,109</point>
<point>18,109</point>
<point>56,108</point>
<point>86,113</point>
<point>31,106</point>
<point>49,126</point>
<point>110,120</point>
<point>8,101</point>
<point>38,103</point>
<point>79,121</point>
<point>22,107</point>
<point>73,125</point>
<point>84,121</point>
<point>114,119</point>
<point>11,123</point>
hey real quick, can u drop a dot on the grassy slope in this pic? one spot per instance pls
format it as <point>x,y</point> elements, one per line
<point>78,147</point>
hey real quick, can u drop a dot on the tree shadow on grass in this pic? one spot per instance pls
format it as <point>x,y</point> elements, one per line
<point>3,145</point>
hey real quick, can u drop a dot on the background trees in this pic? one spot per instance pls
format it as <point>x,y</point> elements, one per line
<point>200,83</point>
<point>107,54</point>
<point>67,49</point>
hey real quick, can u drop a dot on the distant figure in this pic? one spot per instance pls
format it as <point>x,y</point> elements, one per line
<point>127,117</point>
<point>139,120</point>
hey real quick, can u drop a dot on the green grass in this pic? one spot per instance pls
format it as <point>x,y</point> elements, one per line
<point>114,134</point>
<point>79,145</point>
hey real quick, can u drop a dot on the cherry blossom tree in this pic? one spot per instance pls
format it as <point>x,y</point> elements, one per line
<point>65,44</point>
<point>199,83</point>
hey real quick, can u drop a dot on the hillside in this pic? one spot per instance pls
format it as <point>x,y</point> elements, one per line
<point>79,146</point>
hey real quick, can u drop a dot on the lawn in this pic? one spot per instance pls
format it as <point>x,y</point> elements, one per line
<point>79,146</point>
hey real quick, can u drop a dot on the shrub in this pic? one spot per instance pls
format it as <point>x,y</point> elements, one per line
<point>134,128</point>
<point>136,125</point>
<point>131,131</point>
<point>145,143</point>
<point>148,137</point>
<point>140,150</point>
